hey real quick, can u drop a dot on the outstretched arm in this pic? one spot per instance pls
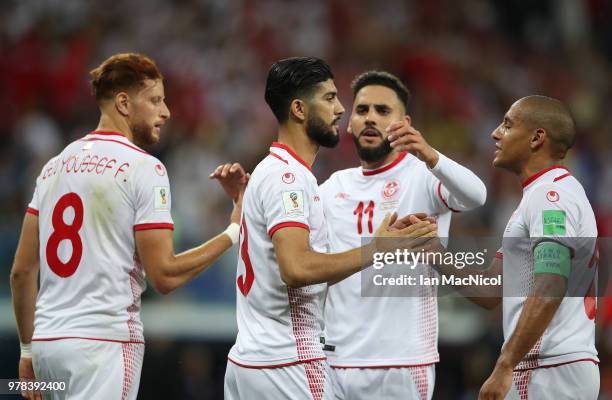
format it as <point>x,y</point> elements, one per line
<point>167,270</point>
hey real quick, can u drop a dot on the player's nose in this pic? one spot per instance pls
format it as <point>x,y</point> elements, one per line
<point>496,134</point>
<point>165,112</point>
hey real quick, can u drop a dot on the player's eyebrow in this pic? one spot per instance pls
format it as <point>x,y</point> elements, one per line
<point>507,120</point>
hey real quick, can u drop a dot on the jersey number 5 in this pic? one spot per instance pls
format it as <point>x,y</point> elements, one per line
<point>245,281</point>
<point>359,211</point>
<point>63,231</point>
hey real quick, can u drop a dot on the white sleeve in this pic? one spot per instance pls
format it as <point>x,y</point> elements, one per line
<point>151,196</point>
<point>285,204</point>
<point>457,188</point>
<point>33,207</point>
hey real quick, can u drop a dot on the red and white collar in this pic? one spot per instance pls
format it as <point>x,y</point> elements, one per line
<point>538,175</point>
<point>398,159</point>
<point>276,145</point>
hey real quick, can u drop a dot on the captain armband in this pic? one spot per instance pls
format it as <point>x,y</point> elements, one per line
<point>552,258</point>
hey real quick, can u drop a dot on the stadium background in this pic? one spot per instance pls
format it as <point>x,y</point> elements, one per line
<point>464,61</point>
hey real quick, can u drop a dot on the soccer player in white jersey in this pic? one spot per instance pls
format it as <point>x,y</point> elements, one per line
<point>391,349</point>
<point>548,260</point>
<point>282,265</point>
<point>98,222</point>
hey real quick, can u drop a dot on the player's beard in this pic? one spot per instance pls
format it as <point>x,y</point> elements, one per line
<point>373,154</point>
<point>321,132</point>
<point>143,134</point>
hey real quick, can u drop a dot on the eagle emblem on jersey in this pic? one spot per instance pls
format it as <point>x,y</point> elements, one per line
<point>288,178</point>
<point>161,171</point>
<point>552,196</point>
<point>390,189</point>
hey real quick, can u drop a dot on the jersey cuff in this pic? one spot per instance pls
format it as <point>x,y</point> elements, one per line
<point>287,225</point>
<point>156,225</point>
<point>32,211</point>
<point>442,198</point>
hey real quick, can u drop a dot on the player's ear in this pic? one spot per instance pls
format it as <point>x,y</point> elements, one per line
<point>297,109</point>
<point>539,135</point>
<point>121,103</point>
<point>408,119</point>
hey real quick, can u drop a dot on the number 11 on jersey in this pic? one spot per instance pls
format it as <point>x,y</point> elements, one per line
<point>360,211</point>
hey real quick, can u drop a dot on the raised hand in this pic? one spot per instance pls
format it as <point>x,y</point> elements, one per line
<point>232,178</point>
<point>403,137</point>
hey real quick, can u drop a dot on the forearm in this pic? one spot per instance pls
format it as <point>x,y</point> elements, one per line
<point>535,317</point>
<point>313,267</point>
<point>183,267</point>
<point>24,288</point>
<point>487,296</point>
<point>465,190</point>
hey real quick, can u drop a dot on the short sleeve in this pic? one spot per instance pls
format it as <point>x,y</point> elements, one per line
<point>151,196</point>
<point>553,214</point>
<point>34,207</point>
<point>286,200</point>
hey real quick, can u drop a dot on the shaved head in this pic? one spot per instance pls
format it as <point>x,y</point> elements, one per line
<point>551,115</point>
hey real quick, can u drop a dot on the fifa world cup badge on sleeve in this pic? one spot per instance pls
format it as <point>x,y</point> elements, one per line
<point>293,201</point>
<point>162,194</point>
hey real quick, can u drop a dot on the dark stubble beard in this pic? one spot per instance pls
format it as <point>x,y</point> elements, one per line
<point>142,134</point>
<point>372,154</point>
<point>321,132</point>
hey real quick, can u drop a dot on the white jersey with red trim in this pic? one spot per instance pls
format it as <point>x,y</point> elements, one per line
<point>89,200</point>
<point>554,207</point>
<point>388,331</point>
<point>278,325</point>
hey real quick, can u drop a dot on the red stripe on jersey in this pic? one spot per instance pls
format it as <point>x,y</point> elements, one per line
<point>114,141</point>
<point>315,374</point>
<point>132,364</point>
<point>106,133</point>
<point>499,255</point>
<point>287,225</point>
<point>561,177</point>
<point>274,366</point>
<point>521,382</point>
<point>279,157</point>
<point>32,211</point>
<point>442,198</point>
<point>292,154</point>
<point>419,377</point>
<point>558,365</point>
<point>160,225</point>
<point>370,172</point>
<point>84,338</point>
<point>379,366</point>
<point>539,174</point>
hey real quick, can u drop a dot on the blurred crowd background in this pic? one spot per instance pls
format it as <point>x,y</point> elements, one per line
<point>465,62</point>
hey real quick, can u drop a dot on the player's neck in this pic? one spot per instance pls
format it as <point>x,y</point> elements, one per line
<point>299,142</point>
<point>109,124</point>
<point>534,166</point>
<point>377,164</point>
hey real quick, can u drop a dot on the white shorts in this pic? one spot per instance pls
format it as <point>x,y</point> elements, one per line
<point>305,381</point>
<point>406,383</point>
<point>92,369</point>
<point>575,381</point>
